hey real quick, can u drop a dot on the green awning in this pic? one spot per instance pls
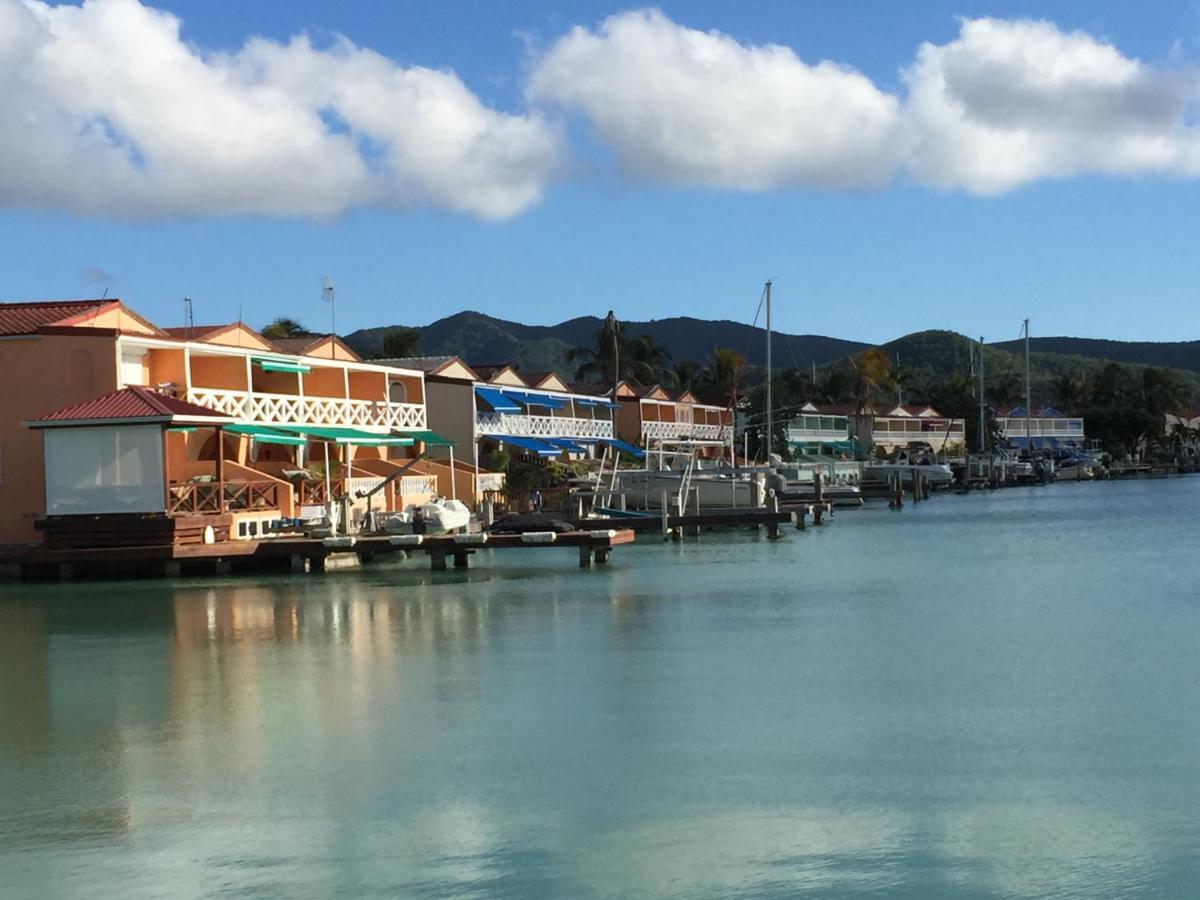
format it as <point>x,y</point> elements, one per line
<point>429,438</point>
<point>346,435</point>
<point>279,365</point>
<point>263,435</point>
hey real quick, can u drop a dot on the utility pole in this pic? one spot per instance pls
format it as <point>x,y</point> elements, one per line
<point>770,399</point>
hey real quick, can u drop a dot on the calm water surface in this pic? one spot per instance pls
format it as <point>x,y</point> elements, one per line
<point>986,696</point>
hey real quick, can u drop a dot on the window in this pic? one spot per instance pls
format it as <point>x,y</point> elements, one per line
<point>397,392</point>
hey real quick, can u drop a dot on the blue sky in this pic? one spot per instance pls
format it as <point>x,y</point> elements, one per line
<point>1087,253</point>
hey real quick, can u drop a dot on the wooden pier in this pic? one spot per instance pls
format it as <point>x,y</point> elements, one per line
<point>293,554</point>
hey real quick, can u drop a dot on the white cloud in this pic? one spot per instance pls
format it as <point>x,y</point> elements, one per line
<point>1009,102</point>
<point>698,108</point>
<point>108,110</point>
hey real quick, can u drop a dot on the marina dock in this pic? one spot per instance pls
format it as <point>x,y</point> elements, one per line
<point>294,554</point>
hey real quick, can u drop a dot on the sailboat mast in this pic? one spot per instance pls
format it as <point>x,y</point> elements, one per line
<point>770,399</point>
<point>1028,400</point>
<point>982,403</point>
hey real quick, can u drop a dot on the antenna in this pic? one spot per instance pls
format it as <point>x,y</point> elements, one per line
<point>189,318</point>
<point>328,296</point>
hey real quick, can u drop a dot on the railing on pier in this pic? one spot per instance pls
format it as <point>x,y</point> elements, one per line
<point>204,497</point>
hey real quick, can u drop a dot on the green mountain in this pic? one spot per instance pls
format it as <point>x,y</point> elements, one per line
<point>482,340</point>
<point>1174,354</point>
<point>924,356</point>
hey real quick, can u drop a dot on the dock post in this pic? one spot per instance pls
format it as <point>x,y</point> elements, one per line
<point>172,568</point>
<point>696,490</point>
<point>461,559</point>
<point>437,560</point>
<point>916,484</point>
<point>666,529</point>
<point>818,511</point>
<point>818,489</point>
<point>602,555</point>
<point>798,518</point>
<point>65,571</point>
<point>222,567</point>
<point>585,556</point>
<point>298,564</point>
<point>316,563</point>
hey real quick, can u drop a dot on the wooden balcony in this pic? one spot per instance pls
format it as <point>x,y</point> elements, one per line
<point>195,498</point>
<point>287,409</point>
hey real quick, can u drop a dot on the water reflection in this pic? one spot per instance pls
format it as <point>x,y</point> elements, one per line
<point>753,718</point>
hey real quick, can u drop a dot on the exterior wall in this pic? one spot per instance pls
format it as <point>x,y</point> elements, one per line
<point>39,374</point>
<point>227,373</point>
<point>452,413</point>
<point>330,349</point>
<point>325,382</point>
<point>117,318</point>
<point>629,421</point>
<point>239,336</point>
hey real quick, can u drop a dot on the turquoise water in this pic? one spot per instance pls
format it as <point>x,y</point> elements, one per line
<point>984,696</point>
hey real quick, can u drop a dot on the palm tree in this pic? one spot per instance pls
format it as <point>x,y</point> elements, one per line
<point>601,361</point>
<point>1068,392</point>
<point>284,328</point>
<point>871,370</point>
<point>721,377</point>
<point>647,361</point>
<point>1163,391</point>
<point>1110,385</point>
<point>687,374</point>
<point>1006,389</point>
<point>835,386</point>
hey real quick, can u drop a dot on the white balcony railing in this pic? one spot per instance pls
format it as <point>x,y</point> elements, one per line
<point>658,431</point>
<point>541,426</point>
<point>1056,428</point>
<point>285,409</point>
<point>817,435</point>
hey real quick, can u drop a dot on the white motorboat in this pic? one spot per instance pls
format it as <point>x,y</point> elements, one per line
<point>906,464</point>
<point>438,516</point>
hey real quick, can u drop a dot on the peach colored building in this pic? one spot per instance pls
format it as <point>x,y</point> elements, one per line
<point>284,407</point>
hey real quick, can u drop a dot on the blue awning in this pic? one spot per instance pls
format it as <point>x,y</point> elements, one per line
<point>596,403</point>
<point>533,445</point>
<point>570,445</point>
<point>1039,443</point>
<point>531,399</point>
<point>625,448</point>
<point>497,400</point>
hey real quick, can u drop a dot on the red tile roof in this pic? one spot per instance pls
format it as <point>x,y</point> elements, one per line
<point>26,318</point>
<point>196,332</point>
<point>132,404</point>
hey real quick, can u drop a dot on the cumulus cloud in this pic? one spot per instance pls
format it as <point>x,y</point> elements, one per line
<point>108,110</point>
<point>1003,104</point>
<point>698,108</point>
<point>1009,102</point>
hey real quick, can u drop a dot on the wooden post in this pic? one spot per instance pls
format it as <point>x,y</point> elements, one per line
<point>166,473</point>
<point>221,468</point>
<point>818,489</point>
<point>437,560</point>
<point>585,556</point>
<point>461,559</point>
<point>666,531</point>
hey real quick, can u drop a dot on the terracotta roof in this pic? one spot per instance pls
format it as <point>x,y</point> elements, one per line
<point>132,404</point>
<point>26,318</point>
<point>196,332</point>
<point>420,363</point>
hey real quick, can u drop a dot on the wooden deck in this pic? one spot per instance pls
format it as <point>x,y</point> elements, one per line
<point>294,554</point>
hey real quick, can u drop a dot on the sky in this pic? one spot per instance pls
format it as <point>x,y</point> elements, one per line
<point>891,167</point>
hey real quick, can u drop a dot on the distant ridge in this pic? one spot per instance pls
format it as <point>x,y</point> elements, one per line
<point>482,339</point>
<point>479,338</point>
<point>1174,354</point>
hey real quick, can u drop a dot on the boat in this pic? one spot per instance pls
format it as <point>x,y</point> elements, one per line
<point>908,461</point>
<point>437,516</point>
